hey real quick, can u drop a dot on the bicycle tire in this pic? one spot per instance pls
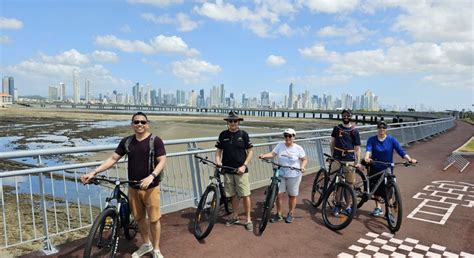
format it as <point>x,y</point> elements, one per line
<point>206,216</point>
<point>104,246</point>
<point>360,188</point>
<point>393,207</point>
<point>319,187</point>
<point>340,220</point>
<point>268,206</point>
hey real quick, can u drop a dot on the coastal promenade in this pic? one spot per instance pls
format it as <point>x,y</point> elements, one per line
<point>444,226</point>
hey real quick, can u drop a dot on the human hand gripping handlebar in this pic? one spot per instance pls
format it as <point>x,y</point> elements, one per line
<point>116,181</point>
<point>206,161</point>
<point>392,164</point>
<point>279,165</point>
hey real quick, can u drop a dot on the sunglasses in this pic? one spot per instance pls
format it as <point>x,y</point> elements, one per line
<point>381,127</point>
<point>287,135</point>
<point>143,122</point>
<point>232,121</point>
<point>346,116</point>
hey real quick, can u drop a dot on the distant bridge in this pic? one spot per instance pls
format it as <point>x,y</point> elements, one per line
<point>370,117</point>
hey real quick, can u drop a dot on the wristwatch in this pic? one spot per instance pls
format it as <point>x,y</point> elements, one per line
<point>153,175</point>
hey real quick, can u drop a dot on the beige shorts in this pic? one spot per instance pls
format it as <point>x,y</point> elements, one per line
<point>349,171</point>
<point>237,184</point>
<point>145,202</point>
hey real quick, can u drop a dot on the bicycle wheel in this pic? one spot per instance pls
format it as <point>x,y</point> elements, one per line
<point>319,185</point>
<point>268,206</point>
<point>103,237</point>
<point>360,188</point>
<point>393,207</point>
<point>206,213</point>
<point>336,203</point>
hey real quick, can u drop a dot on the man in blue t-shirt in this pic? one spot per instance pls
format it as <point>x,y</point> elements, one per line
<point>345,146</point>
<point>380,148</point>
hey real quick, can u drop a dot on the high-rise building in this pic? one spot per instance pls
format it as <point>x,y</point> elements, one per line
<point>265,99</point>
<point>180,98</point>
<point>62,91</point>
<point>5,88</point>
<point>11,87</point>
<point>222,96</point>
<point>52,93</point>
<point>192,99</point>
<point>87,89</point>
<point>76,90</point>
<point>154,98</point>
<point>290,96</point>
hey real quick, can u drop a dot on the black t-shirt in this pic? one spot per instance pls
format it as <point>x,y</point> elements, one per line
<point>138,157</point>
<point>346,138</point>
<point>234,146</point>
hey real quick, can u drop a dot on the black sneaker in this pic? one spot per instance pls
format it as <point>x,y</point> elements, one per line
<point>276,217</point>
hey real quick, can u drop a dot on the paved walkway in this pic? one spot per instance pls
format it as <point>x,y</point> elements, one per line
<point>308,237</point>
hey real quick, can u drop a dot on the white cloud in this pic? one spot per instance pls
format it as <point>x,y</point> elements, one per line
<point>185,23</point>
<point>353,32</point>
<point>430,60</point>
<point>330,6</point>
<point>273,60</point>
<point>193,70</point>
<point>159,3</point>
<point>125,28</point>
<point>159,44</point>
<point>182,21</point>
<point>105,56</point>
<point>5,39</point>
<point>10,23</point>
<point>70,57</point>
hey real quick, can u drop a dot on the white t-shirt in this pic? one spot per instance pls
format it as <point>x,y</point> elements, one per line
<point>289,156</point>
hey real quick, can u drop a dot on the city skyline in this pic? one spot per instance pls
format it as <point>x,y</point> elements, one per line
<point>408,53</point>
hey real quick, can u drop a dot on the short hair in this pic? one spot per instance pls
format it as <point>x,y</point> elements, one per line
<point>139,114</point>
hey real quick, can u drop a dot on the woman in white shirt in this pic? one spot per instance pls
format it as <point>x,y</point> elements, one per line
<point>289,154</point>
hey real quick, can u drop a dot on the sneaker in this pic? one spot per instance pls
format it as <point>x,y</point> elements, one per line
<point>347,211</point>
<point>289,218</point>
<point>276,217</point>
<point>145,248</point>
<point>231,221</point>
<point>249,226</point>
<point>336,210</point>
<point>377,212</point>
<point>157,254</point>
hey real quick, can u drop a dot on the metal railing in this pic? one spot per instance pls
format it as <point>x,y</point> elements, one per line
<point>40,203</point>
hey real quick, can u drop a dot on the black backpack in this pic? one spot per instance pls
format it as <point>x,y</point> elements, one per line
<point>151,155</point>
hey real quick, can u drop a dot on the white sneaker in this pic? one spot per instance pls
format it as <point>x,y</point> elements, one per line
<point>145,248</point>
<point>157,254</point>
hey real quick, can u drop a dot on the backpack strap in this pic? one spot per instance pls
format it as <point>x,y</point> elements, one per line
<point>127,143</point>
<point>151,155</point>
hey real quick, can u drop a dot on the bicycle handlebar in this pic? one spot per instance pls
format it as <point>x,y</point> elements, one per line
<point>208,162</point>
<point>334,159</point>
<point>116,181</point>
<point>392,164</point>
<point>279,165</point>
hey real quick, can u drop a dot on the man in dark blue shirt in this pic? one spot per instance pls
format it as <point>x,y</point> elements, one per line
<point>345,146</point>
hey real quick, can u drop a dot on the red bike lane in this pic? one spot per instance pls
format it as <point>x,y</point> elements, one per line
<point>446,196</point>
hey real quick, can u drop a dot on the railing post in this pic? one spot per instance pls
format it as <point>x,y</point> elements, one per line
<point>320,151</point>
<point>195,174</point>
<point>48,248</point>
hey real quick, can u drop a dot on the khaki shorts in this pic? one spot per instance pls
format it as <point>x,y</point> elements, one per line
<point>145,202</point>
<point>237,184</point>
<point>349,172</point>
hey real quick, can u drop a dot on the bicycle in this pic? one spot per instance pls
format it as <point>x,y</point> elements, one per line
<point>104,234</point>
<point>321,183</point>
<point>271,193</point>
<point>339,200</point>
<point>209,206</point>
<point>392,198</point>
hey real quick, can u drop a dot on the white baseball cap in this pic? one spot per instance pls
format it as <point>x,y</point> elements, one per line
<point>290,131</point>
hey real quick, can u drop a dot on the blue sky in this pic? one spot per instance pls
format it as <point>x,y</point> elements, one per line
<point>406,52</point>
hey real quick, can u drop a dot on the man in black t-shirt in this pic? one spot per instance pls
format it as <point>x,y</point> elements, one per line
<point>144,199</point>
<point>345,146</point>
<point>234,149</point>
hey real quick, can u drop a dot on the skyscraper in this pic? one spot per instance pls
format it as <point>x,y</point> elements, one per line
<point>52,93</point>
<point>222,96</point>
<point>136,93</point>
<point>291,96</point>
<point>5,88</point>
<point>62,91</point>
<point>265,99</point>
<point>87,92</point>
<point>76,96</point>
<point>11,87</point>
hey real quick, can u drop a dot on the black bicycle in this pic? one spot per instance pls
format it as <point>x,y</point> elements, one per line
<point>104,235</point>
<point>271,193</point>
<point>339,200</point>
<point>211,200</point>
<point>391,198</point>
<point>321,183</point>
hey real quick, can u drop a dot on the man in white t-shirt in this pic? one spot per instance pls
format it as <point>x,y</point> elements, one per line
<point>289,154</point>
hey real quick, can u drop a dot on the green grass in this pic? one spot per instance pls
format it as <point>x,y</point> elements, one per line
<point>469,147</point>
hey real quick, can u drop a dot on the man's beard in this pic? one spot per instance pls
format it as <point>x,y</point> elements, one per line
<point>346,121</point>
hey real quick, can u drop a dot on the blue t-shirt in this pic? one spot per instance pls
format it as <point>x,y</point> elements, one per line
<point>383,150</point>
